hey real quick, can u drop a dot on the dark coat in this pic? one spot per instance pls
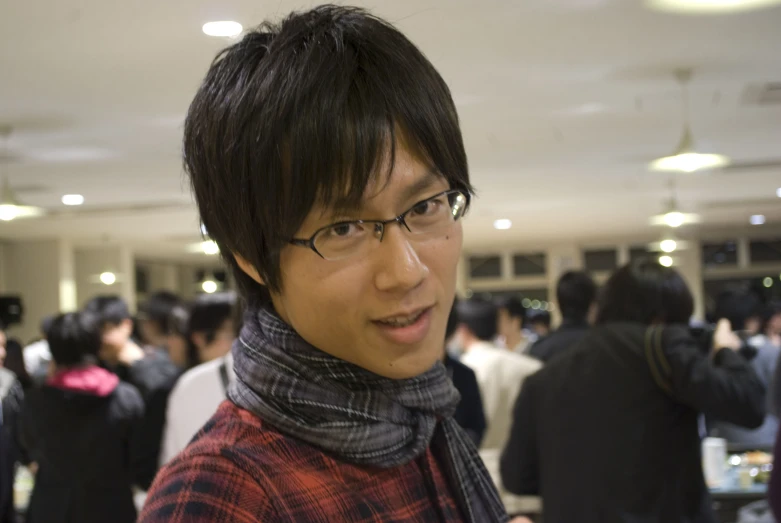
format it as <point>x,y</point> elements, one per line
<point>608,433</point>
<point>83,446</point>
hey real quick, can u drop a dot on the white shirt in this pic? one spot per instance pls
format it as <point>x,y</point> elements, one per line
<point>193,401</point>
<point>500,374</point>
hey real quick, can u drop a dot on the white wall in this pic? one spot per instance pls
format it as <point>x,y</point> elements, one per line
<point>91,262</point>
<point>34,270</point>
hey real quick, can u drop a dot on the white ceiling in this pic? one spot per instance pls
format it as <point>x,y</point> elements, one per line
<point>562,103</point>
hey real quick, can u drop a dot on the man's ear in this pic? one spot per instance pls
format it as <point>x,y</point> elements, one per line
<point>248,269</point>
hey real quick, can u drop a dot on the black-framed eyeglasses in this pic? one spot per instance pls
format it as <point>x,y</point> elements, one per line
<point>427,219</point>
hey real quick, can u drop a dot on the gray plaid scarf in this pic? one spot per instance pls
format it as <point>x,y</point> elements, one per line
<point>356,415</point>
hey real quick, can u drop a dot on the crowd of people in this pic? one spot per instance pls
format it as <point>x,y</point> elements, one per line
<point>103,399</point>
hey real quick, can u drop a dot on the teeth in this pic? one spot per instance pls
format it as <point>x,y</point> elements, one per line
<point>402,321</point>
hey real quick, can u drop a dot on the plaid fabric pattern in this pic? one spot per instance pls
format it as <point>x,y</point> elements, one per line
<point>358,416</point>
<point>239,469</point>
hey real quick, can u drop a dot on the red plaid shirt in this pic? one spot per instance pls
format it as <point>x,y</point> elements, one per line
<point>240,470</point>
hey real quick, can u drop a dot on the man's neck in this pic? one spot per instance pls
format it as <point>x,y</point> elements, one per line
<point>514,340</point>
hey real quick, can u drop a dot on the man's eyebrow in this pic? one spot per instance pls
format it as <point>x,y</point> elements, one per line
<point>343,207</point>
<point>426,181</point>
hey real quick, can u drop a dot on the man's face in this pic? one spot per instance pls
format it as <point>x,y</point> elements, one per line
<point>507,326</point>
<point>116,335</point>
<point>339,306</point>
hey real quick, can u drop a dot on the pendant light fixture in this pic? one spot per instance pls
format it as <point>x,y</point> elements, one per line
<point>673,216</point>
<point>10,206</point>
<point>685,157</point>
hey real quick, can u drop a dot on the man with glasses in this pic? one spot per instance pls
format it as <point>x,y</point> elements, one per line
<point>327,162</point>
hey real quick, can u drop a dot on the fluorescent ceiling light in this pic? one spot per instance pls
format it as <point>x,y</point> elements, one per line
<point>209,286</point>
<point>223,28</point>
<point>709,6</point>
<point>108,278</point>
<point>778,192</point>
<point>668,245</point>
<point>757,219</point>
<point>210,247</point>
<point>666,261</point>
<point>73,199</point>
<point>503,224</point>
<point>674,219</point>
<point>689,162</point>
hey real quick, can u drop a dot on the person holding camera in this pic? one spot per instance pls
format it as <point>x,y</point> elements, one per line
<point>609,431</point>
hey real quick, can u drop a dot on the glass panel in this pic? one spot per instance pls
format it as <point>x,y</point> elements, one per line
<point>636,253</point>
<point>142,281</point>
<point>765,250</point>
<point>535,299</point>
<point>485,267</point>
<point>720,254</point>
<point>602,260</point>
<point>528,264</point>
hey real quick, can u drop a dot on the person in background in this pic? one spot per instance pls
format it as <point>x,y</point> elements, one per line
<point>469,412</point>
<point>79,428</point>
<point>337,205</point>
<point>152,373</point>
<point>738,307</point>
<point>576,293</point>
<point>539,323</point>
<point>14,361</point>
<point>153,318</point>
<point>499,372</point>
<point>176,337</point>
<point>609,431</point>
<point>11,399</point>
<point>212,328</point>
<point>37,356</point>
<point>511,319</point>
<point>771,324</point>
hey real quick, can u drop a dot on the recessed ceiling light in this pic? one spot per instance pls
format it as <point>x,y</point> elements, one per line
<point>757,219</point>
<point>108,278</point>
<point>709,6</point>
<point>666,261</point>
<point>73,199</point>
<point>503,224</point>
<point>209,286</point>
<point>222,28</point>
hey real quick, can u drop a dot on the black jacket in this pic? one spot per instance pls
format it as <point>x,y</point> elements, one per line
<point>608,432</point>
<point>154,376</point>
<point>82,444</point>
<point>469,413</point>
<point>11,397</point>
<point>558,342</point>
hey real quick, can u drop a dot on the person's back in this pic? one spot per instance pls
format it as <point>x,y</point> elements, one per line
<point>193,401</point>
<point>500,374</point>
<point>608,432</point>
<point>79,428</point>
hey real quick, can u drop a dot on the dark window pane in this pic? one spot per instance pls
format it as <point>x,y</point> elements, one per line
<point>485,267</point>
<point>637,253</point>
<point>142,281</point>
<point>719,254</point>
<point>605,260</point>
<point>765,250</point>
<point>535,299</point>
<point>757,285</point>
<point>528,264</point>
